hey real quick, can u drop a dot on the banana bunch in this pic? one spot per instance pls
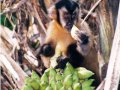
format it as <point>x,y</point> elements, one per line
<point>32,83</point>
<point>58,79</point>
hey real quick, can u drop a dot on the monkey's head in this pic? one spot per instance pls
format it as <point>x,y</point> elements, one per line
<point>65,12</point>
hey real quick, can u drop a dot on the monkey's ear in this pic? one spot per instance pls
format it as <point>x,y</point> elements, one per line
<point>52,12</point>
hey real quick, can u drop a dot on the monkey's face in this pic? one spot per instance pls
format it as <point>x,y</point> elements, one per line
<point>68,18</point>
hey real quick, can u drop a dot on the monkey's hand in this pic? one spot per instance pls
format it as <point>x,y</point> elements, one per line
<point>83,40</point>
<point>79,35</point>
<point>60,57</point>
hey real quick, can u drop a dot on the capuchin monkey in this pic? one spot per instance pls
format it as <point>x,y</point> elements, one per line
<point>66,13</point>
<point>82,52</point>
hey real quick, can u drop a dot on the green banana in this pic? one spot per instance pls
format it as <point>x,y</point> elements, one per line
<point>47,71</point>
<point>77,86</point>
<point>68,81</point>
<point>59,85</point>
<point>44,78</point>
<point>52,73</point>
<point>27,80</point>
<point>88,88</point>
<point>81,81</point>
<point>87,83</point>
<point>42,88</point>
<point>49,88</point>
<point>67,71</point>
<point>80,69</point>
<point>63,88</point>
<point>43,85</point>
<point>84,73</point>
<point>75,77</point>
<point>58,77</point>
<point>34,84</point>
<point>52,82</point>
<point>27,87</point>
<point>70,67</point>
<point>69,88</point>
<point>35,75</point>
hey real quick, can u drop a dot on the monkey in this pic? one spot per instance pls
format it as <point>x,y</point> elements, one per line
<point>81,53</point>
<point>66,12</point>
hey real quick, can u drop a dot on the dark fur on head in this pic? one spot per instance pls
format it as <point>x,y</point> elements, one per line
<point>68,4</point>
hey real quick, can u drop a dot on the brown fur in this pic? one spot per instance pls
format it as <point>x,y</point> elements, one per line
<point>88,51</point>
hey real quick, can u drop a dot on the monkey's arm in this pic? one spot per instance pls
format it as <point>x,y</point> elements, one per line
<point>82,34</point>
